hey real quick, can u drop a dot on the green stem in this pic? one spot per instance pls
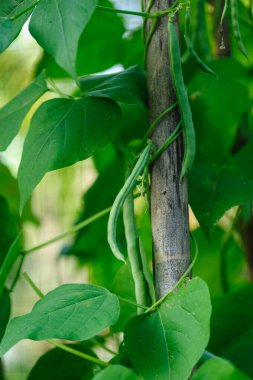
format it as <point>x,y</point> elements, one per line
<point>154,124</point>
<point>77,353</point>
<point>72,231</point>
<point>125,12</point>
<point>97,343</point>
<point>132,303</point>
<point>33,285</point>
<point>148,40</point>
<point>58,344</point>
<point>22,259</point>
<point>174,135</point>
<point>180,281</point>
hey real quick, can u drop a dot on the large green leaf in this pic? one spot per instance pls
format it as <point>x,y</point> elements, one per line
<point>116,372</point>
<point>14,112</point>
<point>57,364</point>
<point>218,369</point>
<point>10,29</point>
<point>215,188</point>
<point>98,47</point>
<point>5,311</point>
<point>168,342</point>
<point>71,311</point>
<point>62,132</point>
<point>57,26</point>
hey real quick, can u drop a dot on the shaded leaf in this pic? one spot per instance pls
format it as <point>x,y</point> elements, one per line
<point>14,112</point>
<point>57,26</point>
<point>7,229</point>
<point>218,369</point>
<point>215,188</point>
<point>62,132</point>
<point>5,311</point>
<point>10,29</point>
<point>116,372</point>
<point>168,342</point>
<point>9,260</point>
<point>71,312</point>
<point>57,364</point>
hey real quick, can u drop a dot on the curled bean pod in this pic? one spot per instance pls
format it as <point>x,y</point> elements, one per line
<point>202,65</point>
<point>120,199</point>
<point>236,28</point>
<point>182,97</point>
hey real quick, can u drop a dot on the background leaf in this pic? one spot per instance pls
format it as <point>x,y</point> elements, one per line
<point>72,312</point>
<point>169,341</point>
<point>14,112</point>
<point>62,132</point>
<point>57,364</point>
<point>57,32</point>
<point>218,369</point>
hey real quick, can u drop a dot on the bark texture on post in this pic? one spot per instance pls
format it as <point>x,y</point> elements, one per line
<point>169,196</point>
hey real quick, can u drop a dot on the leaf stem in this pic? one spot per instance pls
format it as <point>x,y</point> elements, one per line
<point>33,285</point>
<point>71,350</point>
<point>126,12</point>
<point>132,303</point>
<point>155,123</point>
<point>72,231</point>
<point>58,344</point>
<point>180,281</point>
<point>97,343</point>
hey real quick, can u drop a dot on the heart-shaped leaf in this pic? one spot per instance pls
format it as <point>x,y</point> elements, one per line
<point>14,112</point>
<point>167,342</point>
<point>62,132</point>
<point>57,26</point>
<point>71,311</point>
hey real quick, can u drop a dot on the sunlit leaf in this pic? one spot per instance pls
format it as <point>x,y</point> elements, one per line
<point>116,372</point>
<point>72,312</point>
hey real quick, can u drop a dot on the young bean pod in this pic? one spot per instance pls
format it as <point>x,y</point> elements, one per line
<point>140,284</point>
<point>236,27</point>
<point>182,97</point>
<point>202,65</point>
<point>120,199</point>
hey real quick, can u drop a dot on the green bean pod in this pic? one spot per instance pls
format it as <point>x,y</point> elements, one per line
<point>202,65</point>
<point>120,199</point>
<point>236,28</point>
<point>140,284</point>
<point>182,97</point>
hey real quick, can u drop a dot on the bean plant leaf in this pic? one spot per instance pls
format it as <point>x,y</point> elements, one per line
<point>5,311</point>
<point>9,29</point>
<point>14,112</point>
<point>127,86</point>
<point>71,312</point>
<point>116,372</point>
<point>168,342</point>
<point>57,364</point>
<point>62,132</point>
<point>219,369</point>
<point>7,229</point>
<point>220,187</point>
<point>57,26</point>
